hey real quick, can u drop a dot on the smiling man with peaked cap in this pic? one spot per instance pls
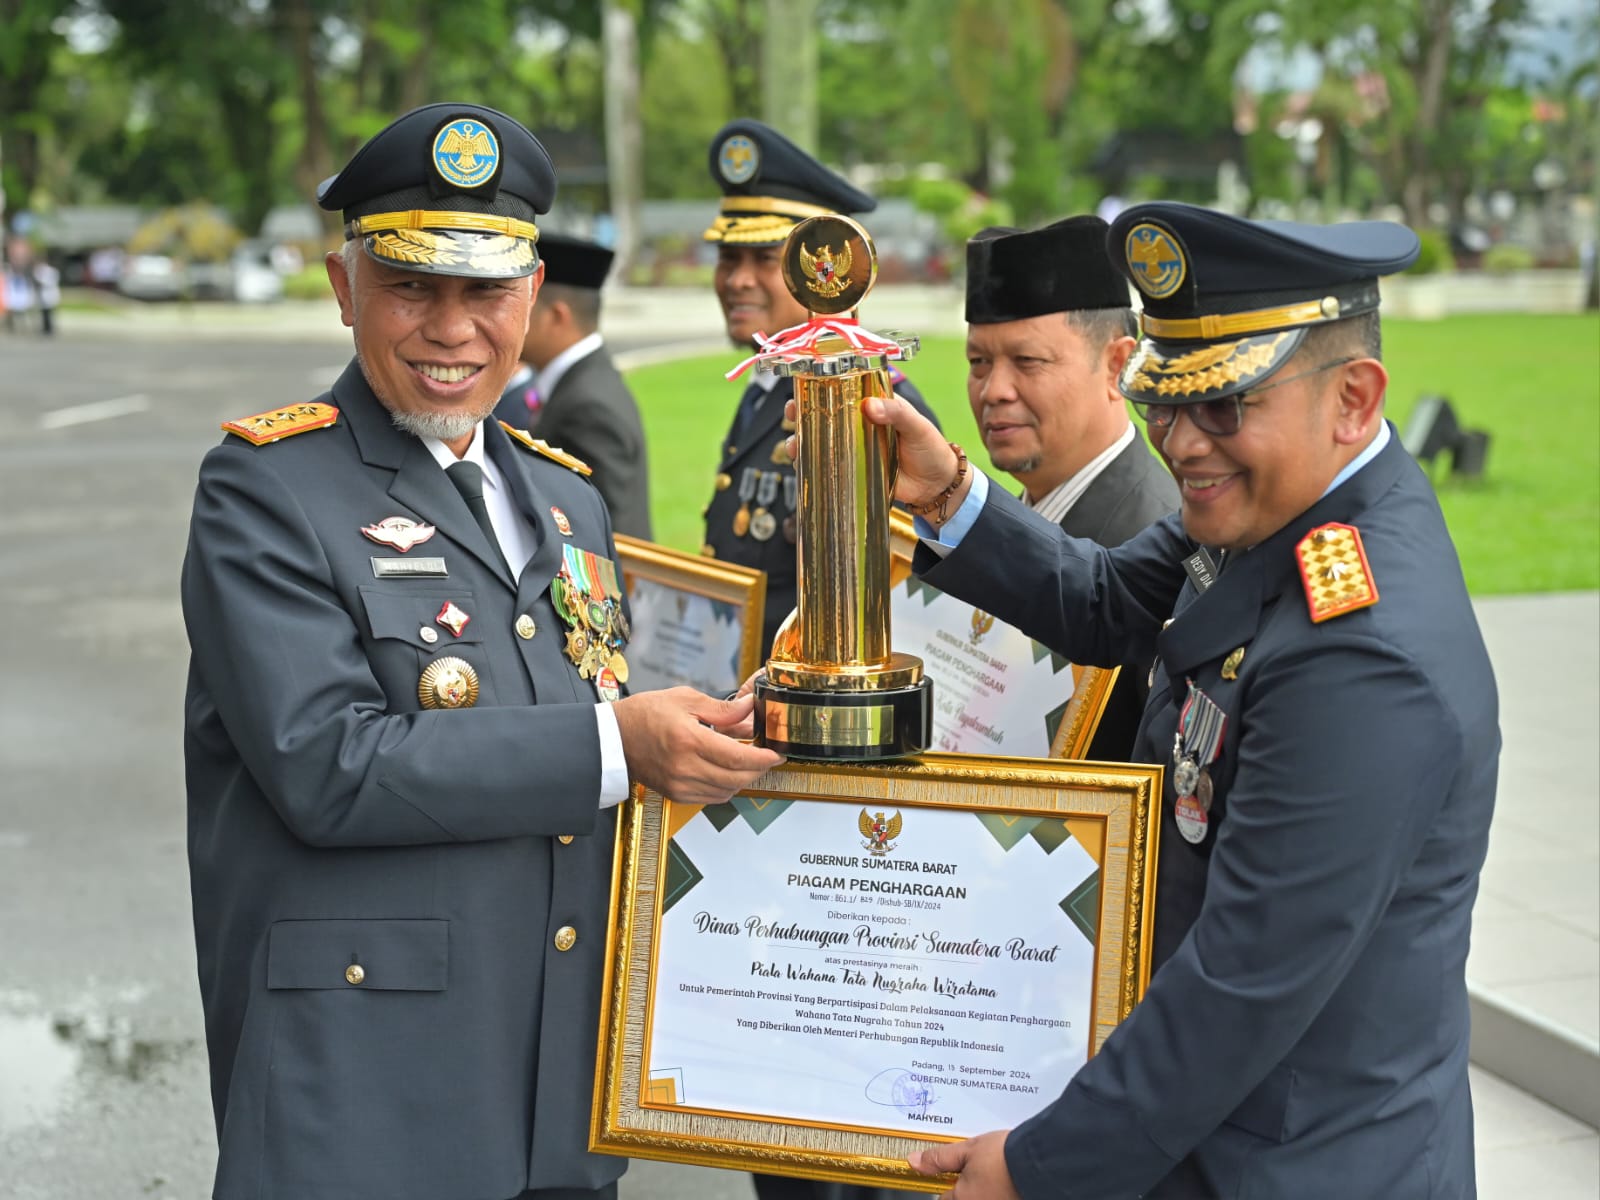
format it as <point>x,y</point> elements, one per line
<point>1325,707</point>
<point>769,185</point>
<point>405,732</point>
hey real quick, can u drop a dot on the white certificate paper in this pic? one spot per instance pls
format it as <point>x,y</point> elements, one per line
<point>919,970</point>
<point>680,638</point>
<point>995,690</point>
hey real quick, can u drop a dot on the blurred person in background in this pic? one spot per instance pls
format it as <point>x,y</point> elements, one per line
<point>568,391</point>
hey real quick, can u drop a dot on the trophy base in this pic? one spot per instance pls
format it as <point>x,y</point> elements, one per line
<point>829,726</point>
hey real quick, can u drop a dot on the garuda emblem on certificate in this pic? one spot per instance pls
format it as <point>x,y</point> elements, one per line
<point>880,831</point>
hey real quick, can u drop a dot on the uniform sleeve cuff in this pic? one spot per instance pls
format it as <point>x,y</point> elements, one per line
<point>613,763</point>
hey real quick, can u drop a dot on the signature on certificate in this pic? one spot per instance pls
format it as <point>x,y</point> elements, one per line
<point>902,1088</point>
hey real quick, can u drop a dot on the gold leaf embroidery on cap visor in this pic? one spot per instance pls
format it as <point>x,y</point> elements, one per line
<point>1203,370</point>
<point>417,246</point>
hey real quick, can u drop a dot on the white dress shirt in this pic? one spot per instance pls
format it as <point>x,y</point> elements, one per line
<point>1058,501</point>
<point>515,535</point>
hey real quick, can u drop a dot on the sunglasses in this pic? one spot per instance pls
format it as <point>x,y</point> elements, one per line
<point>1220,418</point>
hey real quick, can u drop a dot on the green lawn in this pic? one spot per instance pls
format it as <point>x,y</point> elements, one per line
<point>1531,525</point>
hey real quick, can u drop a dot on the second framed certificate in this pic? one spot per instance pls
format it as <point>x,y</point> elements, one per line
<point>846,962</point>
<point>696,621</point>
<point>995,689</point>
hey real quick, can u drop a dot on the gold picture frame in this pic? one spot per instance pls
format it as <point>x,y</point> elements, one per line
<point>745,588</point>
<point>1091,686</point>
<point>1112,811</point>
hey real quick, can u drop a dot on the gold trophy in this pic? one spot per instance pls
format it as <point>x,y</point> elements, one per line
<point>833,689</point>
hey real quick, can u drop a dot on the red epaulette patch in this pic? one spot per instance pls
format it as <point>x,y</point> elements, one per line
<point>1334,570</point>
<point>280,423</point>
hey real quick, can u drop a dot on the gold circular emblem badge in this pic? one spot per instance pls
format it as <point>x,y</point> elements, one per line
<point>448,683</point>
<point>829,264</point>
<point>1155,260</point>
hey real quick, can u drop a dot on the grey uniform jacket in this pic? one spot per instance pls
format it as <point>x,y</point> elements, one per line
<point>592,414</point>
<point>1133,492</point>
<point>1305,1031</point>
<point>333,821</point>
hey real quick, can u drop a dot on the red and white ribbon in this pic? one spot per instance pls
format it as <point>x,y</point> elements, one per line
<point>800,340</point>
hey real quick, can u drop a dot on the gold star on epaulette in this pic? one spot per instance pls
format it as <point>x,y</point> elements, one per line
<point>539,446</point>
<point>280,423</point>
<point>1334,570</point>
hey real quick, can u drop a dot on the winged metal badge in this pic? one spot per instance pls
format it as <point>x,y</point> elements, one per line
<point>880,831</point>
<point>825,274</point>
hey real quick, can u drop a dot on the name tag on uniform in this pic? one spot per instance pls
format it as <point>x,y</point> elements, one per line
<point>1202,571</point>
<point>416,568</point>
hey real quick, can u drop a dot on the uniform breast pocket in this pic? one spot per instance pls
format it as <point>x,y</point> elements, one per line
<point>433,634</point>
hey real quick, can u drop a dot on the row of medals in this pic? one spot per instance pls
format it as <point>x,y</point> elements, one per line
<point>597,629</point>
<point>762,487</point>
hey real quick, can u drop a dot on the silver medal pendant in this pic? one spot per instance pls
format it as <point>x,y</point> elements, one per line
<point>1185,775</point>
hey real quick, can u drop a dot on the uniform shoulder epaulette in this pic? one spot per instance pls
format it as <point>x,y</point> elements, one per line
<point>896,375</point>
<point>1334,569</point>
<point>539,446</point>
<point>280,423</point>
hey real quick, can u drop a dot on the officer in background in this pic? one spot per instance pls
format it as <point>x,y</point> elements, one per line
<point>1326,708</point>
<point>568,390</point>
<point>1048,331</point>
<point>404,730</point>
<point>769,186</point>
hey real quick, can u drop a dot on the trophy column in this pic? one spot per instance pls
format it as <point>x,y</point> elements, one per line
<point>833,688</point>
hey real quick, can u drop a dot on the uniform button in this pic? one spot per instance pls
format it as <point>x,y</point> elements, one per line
<point>565,839</point>
<point>708,550</point>
<point>724,482</point>
<point>525,627</point>
<point>354,973</point>
<point>732,449</point>
<point>566,937</point>
<point>428,635</point>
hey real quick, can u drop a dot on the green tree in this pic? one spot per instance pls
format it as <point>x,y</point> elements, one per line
<point>30,35</point>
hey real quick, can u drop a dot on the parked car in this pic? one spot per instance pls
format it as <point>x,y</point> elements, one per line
<point>248,276</point>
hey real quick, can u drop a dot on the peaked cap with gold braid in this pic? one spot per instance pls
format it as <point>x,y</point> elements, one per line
<point>769,185</point>
<point>1228,301</point>
<point>448,189</point>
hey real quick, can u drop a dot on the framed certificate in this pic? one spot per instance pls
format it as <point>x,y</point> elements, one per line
<point>695,621</point>
<point>847,962</point>
<point>995,689</point>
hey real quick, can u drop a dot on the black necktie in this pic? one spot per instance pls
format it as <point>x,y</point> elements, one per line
<point>749,406</point>
<point>468,478</point>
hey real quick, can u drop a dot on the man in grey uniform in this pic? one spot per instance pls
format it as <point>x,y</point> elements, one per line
<point>1332,755</point>
<point>405,729</point>
<point>1048,332</point>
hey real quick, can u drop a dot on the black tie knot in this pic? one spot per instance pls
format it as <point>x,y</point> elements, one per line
<point>468,479</point>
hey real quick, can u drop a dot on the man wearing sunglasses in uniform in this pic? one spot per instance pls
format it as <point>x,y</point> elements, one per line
<point>1331,756</point>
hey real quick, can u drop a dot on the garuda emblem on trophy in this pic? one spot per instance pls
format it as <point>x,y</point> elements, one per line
<point>826,275</point>
<point>880,831</point>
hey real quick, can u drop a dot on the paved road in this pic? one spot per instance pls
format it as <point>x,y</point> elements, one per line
<point>102,1069</point>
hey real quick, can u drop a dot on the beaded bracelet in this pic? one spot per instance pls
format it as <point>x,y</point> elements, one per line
<point>943,498</point>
